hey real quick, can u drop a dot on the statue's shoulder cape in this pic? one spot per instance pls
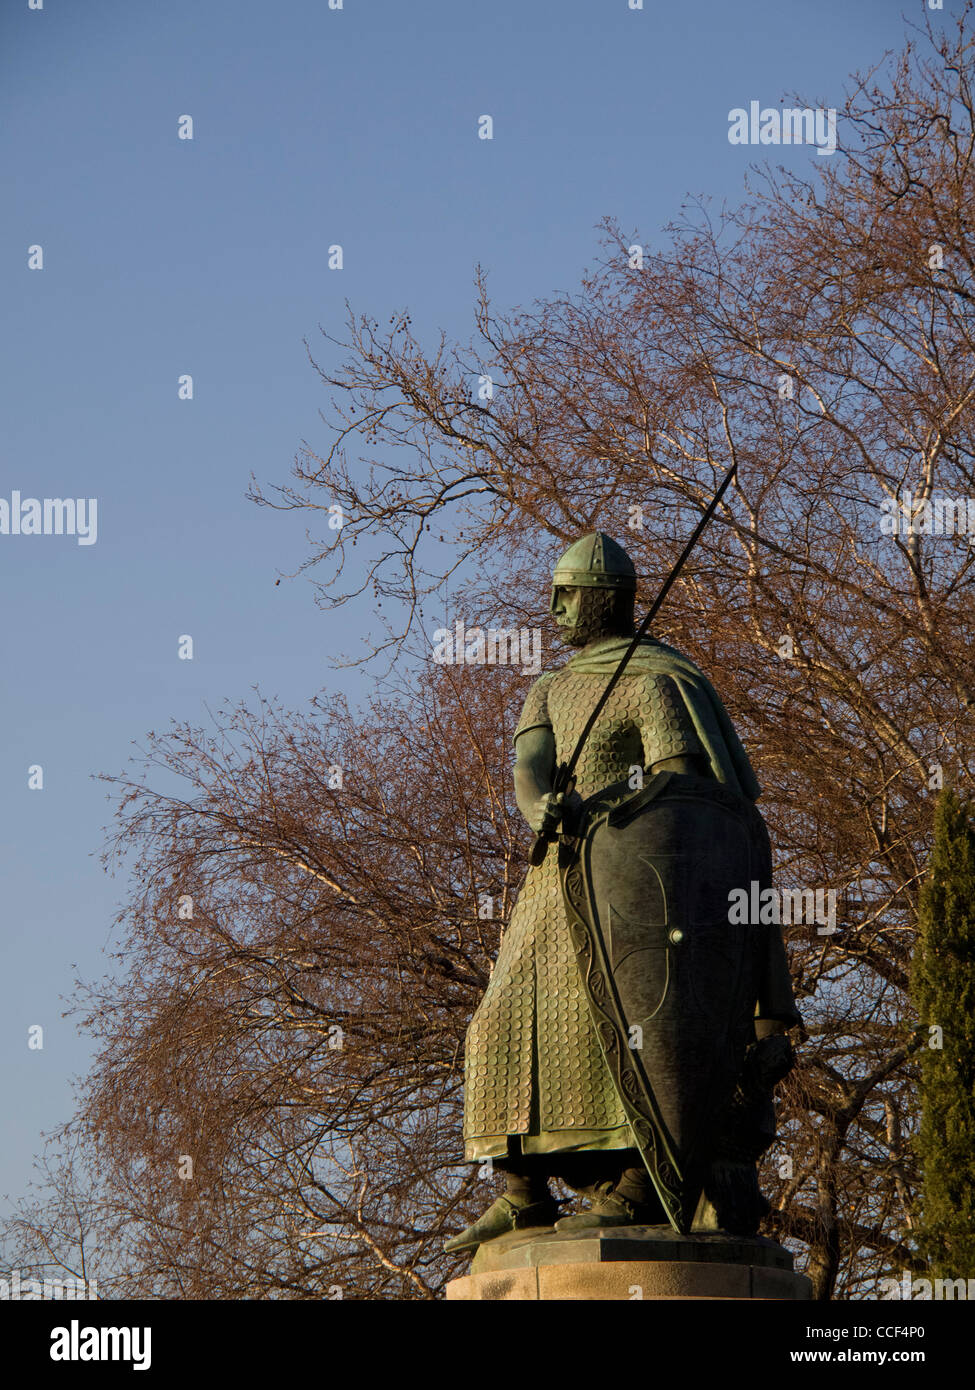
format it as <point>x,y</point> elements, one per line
<point>729,761</point>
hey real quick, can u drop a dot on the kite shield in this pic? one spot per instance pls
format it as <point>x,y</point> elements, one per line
<point>671,983</point>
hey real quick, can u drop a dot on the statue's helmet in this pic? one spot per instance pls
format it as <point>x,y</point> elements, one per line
<point>594,562</point>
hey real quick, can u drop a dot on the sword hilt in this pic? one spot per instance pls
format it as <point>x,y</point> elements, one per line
<point>563,783</point>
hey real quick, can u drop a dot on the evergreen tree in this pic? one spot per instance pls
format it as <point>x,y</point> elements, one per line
<point>943,989</point>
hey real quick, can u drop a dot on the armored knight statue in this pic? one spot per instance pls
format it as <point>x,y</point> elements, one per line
<point>631,1035</point>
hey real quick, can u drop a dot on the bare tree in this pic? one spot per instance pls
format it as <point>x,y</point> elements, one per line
<point>274,1109</point>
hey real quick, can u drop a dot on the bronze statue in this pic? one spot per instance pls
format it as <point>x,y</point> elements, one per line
<point>630,1036</point>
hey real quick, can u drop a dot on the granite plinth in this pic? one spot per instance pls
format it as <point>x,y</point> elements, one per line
<point>629,1262</point>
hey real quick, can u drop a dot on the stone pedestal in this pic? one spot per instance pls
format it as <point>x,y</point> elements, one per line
<point>629,1262</point>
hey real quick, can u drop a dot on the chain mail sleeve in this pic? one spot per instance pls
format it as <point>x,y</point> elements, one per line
<point>534,714</point>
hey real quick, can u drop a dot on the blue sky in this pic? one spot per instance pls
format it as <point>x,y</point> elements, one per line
<point>164,256</point>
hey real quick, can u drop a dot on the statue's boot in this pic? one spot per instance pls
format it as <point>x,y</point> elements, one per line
<point>506,1214</point>
<point>609,1208</point>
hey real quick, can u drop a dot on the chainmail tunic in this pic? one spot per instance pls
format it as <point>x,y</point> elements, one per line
<point>533,1064</point>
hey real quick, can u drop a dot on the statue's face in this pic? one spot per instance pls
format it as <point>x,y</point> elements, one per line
<point>581,613</point>
<point>567,605</point>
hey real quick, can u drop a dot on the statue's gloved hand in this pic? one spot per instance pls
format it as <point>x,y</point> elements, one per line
<point>773,1059</point>
<point>546,813</point>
